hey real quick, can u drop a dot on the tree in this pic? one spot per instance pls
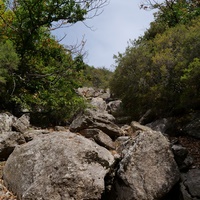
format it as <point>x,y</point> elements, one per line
<point>32,18</point>
<point>190,97</point>
<point>160,74</point>
<point>49,86</point>
<point>8,61</point>
<point>47,72</point>
<point>130,81</point>
<point>170,13</point>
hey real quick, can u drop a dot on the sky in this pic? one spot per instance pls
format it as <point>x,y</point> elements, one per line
<point>109,33</point>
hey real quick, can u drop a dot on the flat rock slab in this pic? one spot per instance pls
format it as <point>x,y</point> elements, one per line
<point>96,120</point>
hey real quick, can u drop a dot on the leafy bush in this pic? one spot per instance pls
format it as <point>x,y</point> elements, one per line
<point>8,60</point>
<point>41,75</point>
<point>160,74</point>
<point>8,65</point>
<point>96,77</point>
<point>48,84</point>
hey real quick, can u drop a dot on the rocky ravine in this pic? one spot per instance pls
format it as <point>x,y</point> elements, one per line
<point>93,159</point>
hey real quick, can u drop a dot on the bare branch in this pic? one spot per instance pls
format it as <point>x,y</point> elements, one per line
<point>152,4</point>
<point>78,48</point>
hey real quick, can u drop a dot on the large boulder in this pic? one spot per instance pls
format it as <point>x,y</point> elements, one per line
<point>147,170</point>
<point>60,165</point>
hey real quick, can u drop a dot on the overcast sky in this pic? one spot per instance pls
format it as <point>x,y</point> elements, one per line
<point>120,21</point>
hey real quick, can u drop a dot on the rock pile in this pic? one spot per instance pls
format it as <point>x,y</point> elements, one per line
<point>95,159</point>
<point>187,159</point>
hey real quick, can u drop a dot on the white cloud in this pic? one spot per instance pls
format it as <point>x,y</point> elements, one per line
<point>121,20</point>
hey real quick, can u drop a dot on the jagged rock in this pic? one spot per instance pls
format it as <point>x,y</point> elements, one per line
<point>106,94</point>
<point>109,128</point>
<point>114,107</point>
<point>128,131</point>
<point>121,142</point>
<point>80,123</point>
<point>60,165</point>
<point>86,92</point>
<point>21,124</point>
<point>8,142</point>
<point>90,120</point>
<point>184,193</point>
<point>136,126</point>
<point>100,137</point>
<point>6,121</point>
<point>89,93</point>
<point>147,170</point>
<point>99,103</point>
<point>190,185</point>
<point>183,160</point>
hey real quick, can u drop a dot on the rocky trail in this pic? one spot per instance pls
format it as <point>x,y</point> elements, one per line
<point>95,158</point>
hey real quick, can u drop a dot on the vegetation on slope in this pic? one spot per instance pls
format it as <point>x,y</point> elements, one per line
<point>161,73</point>
<point>36,72</point>
<point>96,77</point>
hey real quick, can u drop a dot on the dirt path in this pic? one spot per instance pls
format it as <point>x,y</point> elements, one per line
<point>193,146</point>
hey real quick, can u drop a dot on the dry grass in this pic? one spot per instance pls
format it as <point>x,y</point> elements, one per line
<point>5,194</point>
